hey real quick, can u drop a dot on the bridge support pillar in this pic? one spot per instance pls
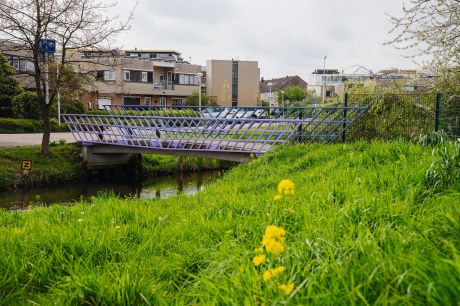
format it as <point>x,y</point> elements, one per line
<point>96,161</point>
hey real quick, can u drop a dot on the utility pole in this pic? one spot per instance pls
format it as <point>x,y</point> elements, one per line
<point>324,79</point>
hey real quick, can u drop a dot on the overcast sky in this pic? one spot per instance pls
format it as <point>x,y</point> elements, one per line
<point>289,37</point>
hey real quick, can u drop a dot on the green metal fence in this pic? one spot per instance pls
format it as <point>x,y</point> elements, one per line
<point>408,115</point>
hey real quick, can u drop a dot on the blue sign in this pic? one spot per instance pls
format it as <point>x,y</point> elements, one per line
<point>315,101</point>
<point>47,45</point>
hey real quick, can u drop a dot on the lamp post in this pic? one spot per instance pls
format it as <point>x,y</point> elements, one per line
<point>270,96</point>
<point>199,89</point>
<point>324,79</point>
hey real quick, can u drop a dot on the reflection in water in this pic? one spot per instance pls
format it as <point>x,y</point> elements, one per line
<point>158,187</point>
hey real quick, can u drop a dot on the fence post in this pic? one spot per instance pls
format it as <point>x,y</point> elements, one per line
<point>344,125</point>
<point>436,115</point>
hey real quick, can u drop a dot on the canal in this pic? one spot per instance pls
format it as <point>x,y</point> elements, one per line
<point>158,187</point>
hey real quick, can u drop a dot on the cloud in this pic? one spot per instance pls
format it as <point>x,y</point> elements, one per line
<point>286,37</point>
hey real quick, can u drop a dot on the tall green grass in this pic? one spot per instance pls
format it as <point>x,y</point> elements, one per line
<point>362,228</point>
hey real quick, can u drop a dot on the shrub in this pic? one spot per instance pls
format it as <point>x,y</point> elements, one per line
<point>71,106</point>
<point>25,105</point>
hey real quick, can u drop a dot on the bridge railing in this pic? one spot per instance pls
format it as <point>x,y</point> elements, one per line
<point>245,112</point>
<point>201,133</point>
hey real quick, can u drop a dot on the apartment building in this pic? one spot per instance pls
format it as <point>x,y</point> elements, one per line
<point>155,77</point>
<point>233,82</point>
<point>140,77</point>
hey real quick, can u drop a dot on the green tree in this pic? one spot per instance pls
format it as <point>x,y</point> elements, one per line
<point>295,95</point>
<point>9,87</point>
<point>76,24</point>
<point>193,99</point>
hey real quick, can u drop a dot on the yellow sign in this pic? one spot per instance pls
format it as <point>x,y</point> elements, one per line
<point>26,165</point>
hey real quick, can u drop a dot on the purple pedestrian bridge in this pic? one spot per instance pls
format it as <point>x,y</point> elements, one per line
<point>228,133</point>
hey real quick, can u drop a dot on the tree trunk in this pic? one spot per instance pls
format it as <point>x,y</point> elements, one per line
<point>46,129</point>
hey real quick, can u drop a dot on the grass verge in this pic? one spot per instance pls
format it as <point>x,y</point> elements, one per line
<point>362,228</point>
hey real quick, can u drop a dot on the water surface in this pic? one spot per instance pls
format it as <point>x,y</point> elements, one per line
<point>158,187</point>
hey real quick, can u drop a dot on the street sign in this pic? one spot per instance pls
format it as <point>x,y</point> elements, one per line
<point>47,45</point>
<point>26,165</point>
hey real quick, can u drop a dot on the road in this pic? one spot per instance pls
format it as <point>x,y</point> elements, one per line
<point>13,140</point>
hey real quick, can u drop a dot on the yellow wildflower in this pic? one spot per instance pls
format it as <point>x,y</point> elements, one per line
<point>286,289</point>
<point>259,250</point>
<point>271,273</point>
<point>277,197</point>
<point>274,247</point>
<point>286,187</point>
<point>258,260</point>
<point>273,239</point>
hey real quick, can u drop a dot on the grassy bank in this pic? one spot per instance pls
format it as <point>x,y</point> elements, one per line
<point>364,226</point>
<point>63,166</point>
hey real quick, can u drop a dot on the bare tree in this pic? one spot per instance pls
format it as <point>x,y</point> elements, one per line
<point>74,24</point>
<point>431,27</point>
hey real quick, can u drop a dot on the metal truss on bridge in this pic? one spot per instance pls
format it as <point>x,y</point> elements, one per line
<point>248,130</point>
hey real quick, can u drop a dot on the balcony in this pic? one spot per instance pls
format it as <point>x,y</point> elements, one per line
<point>163,85</point>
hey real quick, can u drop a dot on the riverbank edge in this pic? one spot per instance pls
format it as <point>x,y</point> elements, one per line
<point>63,166</point>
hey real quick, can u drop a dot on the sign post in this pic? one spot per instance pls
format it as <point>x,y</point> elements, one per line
<point>47,46</point>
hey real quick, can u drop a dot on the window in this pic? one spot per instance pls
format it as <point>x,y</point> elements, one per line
<point>234,83</point>
<point>187,79</point>
<point>138,76</point>
<point>15,63</point>
<point>163,101</point>
<point>148,101</point>
<point>109,75</point>
<point>131,100</point>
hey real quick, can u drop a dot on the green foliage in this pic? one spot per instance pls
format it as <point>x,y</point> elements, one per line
<point>393,112</point>
<point>293,94</point>
<point>193,100</point>
<point>431,139</point>
<point>361,229</point>
<point>71,106</point>
<point>444,172</point>
<point>26,106</point>
<point>9,87</point>
<point>16,126</point>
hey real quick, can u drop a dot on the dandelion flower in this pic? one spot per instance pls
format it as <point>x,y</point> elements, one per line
<point>273,239</point>
<point>286,187</point>
<point>272,273</point>
<point>259,250</point>
<point>274,247</point>
<point>286,289</point>
<point>258,260</point>
<point>277,197</point>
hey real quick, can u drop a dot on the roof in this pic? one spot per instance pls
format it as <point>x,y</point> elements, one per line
<point>151,51</point>
<point>276,84</point>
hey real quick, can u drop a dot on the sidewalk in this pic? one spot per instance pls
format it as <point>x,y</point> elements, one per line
<point>14,140</point>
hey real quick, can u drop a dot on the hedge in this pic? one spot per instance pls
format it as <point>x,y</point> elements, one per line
<point>15,126</point>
